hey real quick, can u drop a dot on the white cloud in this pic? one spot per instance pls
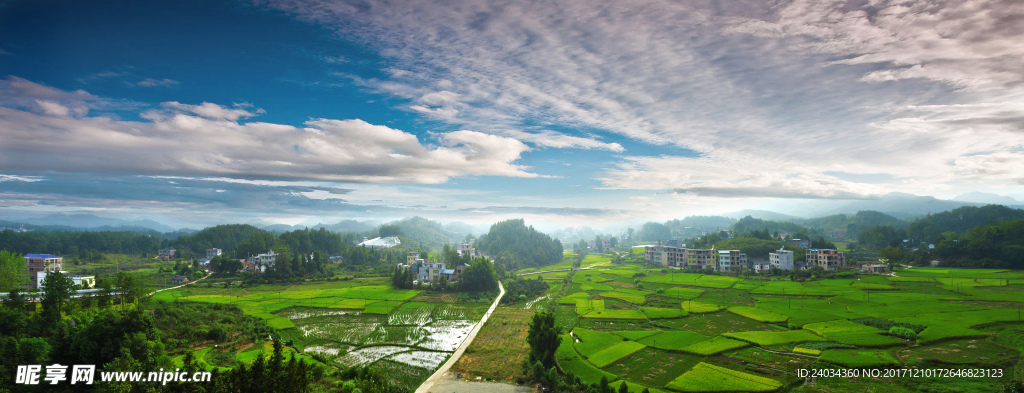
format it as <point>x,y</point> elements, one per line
<point>772,94</point>
<point>150,82</point>
<point>209,140</point>
<point>4,177</point>
<point>207,110</point>
<point>53,108</point>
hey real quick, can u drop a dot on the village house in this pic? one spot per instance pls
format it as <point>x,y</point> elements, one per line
<point>731,260</point>
<point>802,243</point>
<point>36,263</point>
<point>873,268</point>
<point>782,259</point>
<point>166,254</point>
<point>78,279</point>
<point>828,259</point>
<point>179,280</point>
<point>212,252</point>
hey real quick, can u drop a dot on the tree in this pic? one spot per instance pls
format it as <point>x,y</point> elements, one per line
<point>479,276</point>
<point>12,271</point>
<point>544,339</point>
<point>57,289</point>
<point>390,230</point>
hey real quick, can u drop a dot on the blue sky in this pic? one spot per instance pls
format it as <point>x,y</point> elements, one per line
<point>562,112</point>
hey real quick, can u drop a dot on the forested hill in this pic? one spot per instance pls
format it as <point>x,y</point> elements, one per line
<point>426,232</point>
<point>528,246</point>
<point>225,237</point>
<point>961,219</point>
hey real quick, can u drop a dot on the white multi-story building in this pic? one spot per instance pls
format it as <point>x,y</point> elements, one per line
<point>261,262</point>
<point>782,259</point>
<point>210,253</point>
<point>731,260</point>
<point>466,249</point>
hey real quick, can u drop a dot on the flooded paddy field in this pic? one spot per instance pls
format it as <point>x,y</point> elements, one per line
<point>416,337</point>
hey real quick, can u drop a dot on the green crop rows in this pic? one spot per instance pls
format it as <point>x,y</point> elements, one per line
<point>706,377</point>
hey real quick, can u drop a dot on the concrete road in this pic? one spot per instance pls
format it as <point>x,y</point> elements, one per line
<point>441,372</point>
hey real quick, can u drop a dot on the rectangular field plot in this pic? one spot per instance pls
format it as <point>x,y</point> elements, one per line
<point>412,313</point>
<point>614,353</point>
<point>660,313</point>
<point>683,293</point>
<point>858,358</point>
<point>758,314</point>
<point>790,288</point>
<point>446,335</point>
<point>706,377</point>
<point>592,342</point>
<point>652,367</point>
<point>614,314</point>
<point>468,311</point>
<point>692,307</point>
<point>675,339</point>
<point>714,345</point>
<point>776,338</point>
<point>352,330</point>
<point>382,307</point>
<point>627,295</point>
<point>570,360</point>
<point>636,335</point>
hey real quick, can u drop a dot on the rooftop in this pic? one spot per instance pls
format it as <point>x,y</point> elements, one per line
<point>41,256</point>
<point>382,242</point>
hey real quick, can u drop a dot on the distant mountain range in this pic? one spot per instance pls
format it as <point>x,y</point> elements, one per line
<point>79,221</point>
<point>899,205</point>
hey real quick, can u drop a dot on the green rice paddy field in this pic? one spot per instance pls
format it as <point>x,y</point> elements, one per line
<point>686,332</point>
<point>355,322</point>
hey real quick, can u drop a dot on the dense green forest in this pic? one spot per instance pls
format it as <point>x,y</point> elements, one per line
<point>997,245</point>
<point>426,232</point>
<point>527,246</point>
<point>75,243</point>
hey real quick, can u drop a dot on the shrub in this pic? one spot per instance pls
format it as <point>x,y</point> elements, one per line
<point>886,324</point>
<point>902,332</point>
<point>217,334</point>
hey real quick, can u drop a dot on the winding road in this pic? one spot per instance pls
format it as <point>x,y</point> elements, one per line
<point>441,372</point>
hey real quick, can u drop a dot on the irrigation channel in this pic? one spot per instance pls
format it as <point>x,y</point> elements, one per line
<point>440,374</point>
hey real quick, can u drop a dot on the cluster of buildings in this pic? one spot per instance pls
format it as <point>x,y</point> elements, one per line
<point>695,258</point>
<point>674,254</point>
<point>39,265</point>
<point>427,272</point>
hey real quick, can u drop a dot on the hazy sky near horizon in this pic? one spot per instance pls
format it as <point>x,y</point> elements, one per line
<point>570,111</point>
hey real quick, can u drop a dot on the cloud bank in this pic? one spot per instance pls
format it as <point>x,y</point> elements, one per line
<point>46,129</point>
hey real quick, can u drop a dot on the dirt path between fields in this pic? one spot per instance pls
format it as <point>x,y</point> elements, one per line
<point>179,286</point>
